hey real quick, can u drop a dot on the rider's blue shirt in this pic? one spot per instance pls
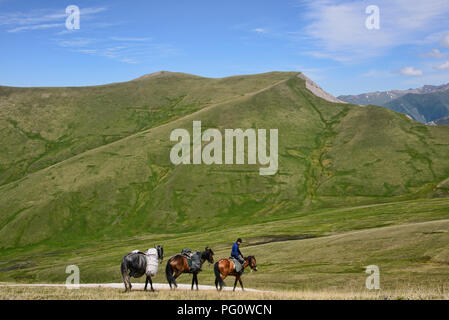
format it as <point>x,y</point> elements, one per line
<point>235,252</point>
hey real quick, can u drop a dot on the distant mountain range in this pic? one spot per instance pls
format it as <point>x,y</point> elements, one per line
<point>440,121</point>
<point>428,104</point>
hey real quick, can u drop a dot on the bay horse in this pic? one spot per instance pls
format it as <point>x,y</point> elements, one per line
<point>178,265</point>
<point>225,267</point>
<point>134,264</point>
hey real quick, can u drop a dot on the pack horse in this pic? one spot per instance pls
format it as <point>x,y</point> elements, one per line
<point>187,262</point>
<point>138,263</point>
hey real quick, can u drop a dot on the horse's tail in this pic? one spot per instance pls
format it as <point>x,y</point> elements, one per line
<point>169,273</point>
<point>218,279</point>
<point>123,267</point>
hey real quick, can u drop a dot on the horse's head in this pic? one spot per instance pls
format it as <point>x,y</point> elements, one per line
<point>160,253</point>
<point>252,263</point>
<point>209,255</point>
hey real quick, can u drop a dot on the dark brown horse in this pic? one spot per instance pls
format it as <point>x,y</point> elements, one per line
<point>178,265</point>
<point>225,267</point>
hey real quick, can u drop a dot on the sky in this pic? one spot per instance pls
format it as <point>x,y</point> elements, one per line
<point>329,41</point>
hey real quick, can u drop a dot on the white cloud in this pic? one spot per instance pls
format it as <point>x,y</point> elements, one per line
<point>259,30</point>
<point>436,78</point>
<point>89,51</point>
<point>445,41</point>
<point>374,73</point>
<point>337,28</point>
<point>435,53</point>
<point>36,27</point>
<point>125,39</point>
<point>410,71</point>
<point>76,42</point>
<point>42,19</point>
<point>443,66</point>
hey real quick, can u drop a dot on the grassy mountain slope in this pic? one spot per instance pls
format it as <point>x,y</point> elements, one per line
<point>422,107</point>
<point>43,126</point>
<point>331,155</point>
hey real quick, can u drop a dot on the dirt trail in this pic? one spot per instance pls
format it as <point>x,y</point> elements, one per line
<point>136,286</point>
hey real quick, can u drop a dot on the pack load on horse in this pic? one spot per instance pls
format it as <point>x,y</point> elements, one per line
<point>187,262</point>
<point>193,259</point>
<point>186,252</point>
<point>138,263</point>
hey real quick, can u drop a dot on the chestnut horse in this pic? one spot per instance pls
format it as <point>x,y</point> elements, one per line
<point>225,267</point>
<point>178,264</point>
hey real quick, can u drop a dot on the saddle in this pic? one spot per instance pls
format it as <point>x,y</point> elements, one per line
<point>237,265</point>
<point>193,259</point>
<point>186,252</point>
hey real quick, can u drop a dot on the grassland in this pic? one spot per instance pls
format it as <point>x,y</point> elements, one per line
<point>50,293</point>
<point>356,186</point>
<point>293,254</point>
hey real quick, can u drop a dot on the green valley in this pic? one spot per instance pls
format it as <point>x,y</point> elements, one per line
<point>86,176</point>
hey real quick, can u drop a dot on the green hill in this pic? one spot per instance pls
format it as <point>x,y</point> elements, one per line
<point>44,126</point>
<point>88,168</point>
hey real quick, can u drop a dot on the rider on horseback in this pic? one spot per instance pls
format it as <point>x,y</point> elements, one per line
<point>235,253</point>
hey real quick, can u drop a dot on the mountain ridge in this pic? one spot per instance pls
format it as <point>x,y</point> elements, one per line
<point>386,96</point>
<point>330,155</point>
<point>427,104</point>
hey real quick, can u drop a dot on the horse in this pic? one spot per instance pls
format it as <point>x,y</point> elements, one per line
<point>225,267</point>
<point>134,264</point>
<point>178,264</point>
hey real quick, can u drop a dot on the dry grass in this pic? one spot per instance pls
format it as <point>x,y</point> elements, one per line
<point>61,293</point>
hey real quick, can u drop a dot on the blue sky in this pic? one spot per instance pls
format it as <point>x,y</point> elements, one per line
<point>327,40</point>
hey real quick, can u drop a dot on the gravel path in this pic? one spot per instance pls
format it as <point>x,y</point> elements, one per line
<point>138,286</point>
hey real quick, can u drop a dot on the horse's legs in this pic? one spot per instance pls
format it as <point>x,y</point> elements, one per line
<point>222,284</point>
<point>193,281</point>
<point>177,274</point>
<point>146,283</point>
<point>151,284</point>
<point>127,281</point>
<point>196,280</point>
<point>241,283</point>
<point>235,283</point>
